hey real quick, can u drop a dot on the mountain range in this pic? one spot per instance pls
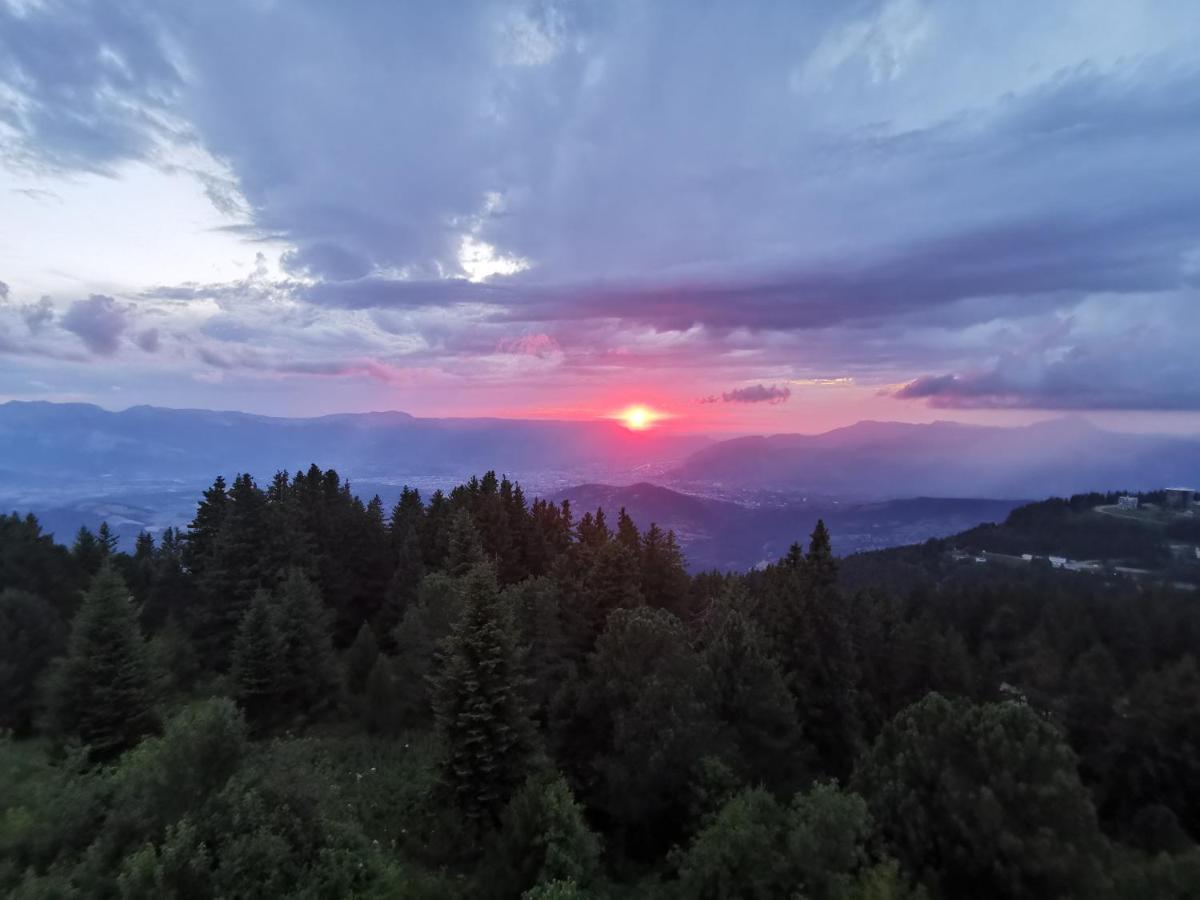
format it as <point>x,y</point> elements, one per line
<point>144,443</point>
<point>886,460</point>
<point>733,503</point>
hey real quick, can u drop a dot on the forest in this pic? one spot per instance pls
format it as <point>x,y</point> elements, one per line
<point>478,695</point>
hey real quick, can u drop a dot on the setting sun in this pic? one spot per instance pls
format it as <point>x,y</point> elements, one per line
<point>638,418</point>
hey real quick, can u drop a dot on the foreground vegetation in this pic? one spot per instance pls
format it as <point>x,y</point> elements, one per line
<point>480,697</point>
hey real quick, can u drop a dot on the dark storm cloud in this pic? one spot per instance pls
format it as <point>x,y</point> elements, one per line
<point>99,322</point>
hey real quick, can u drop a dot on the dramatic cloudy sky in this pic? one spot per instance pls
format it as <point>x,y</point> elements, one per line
<point>759,216</point>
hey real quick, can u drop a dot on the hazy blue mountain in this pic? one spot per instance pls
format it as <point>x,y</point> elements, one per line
<point>946,459</point>
<point>724,535</point>
<point>79,441</point>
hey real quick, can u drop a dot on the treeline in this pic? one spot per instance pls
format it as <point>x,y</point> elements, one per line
<point>481,695</point>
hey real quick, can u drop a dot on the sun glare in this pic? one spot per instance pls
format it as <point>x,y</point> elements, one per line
<point>638,418</point>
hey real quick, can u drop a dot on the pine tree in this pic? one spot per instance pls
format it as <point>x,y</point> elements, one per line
<point>258,660</point>
<point>435,532</point>
<point>361,657</point>
<point>228,552</point>
<point>309,674</point>
<point>102,691</point>
<point>405,582</point>
<point>627,532</point>
<point>750,695</point>
<point>204,528</point>
<point>479,704</point>
<point>31,635</point>
<point>612,583</point>
<point>665,580</point>
<point>87,551</point>
<point>821,565</point>
<point>465,549</point>
<point>409,512</point>
<point>106,540</point>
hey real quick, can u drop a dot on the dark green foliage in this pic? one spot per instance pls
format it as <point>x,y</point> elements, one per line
<point>542,839</point>
<point>166,777</point>
<point>807,620</point>
<point>664,579</point>
<point>101,692</point>
<point>88,552</point>
<point>1162,877</point>
<point>31,634</point>
<point>426,623</point>
<point>819,561</point>
<point>406,578</point>
<point>226,553</point>
<point>755,848</point>
<point>106,541</point>
<point>360,658</point>
<point>982,799</point>
<point>742,854</point>
<point>31,561</point>
<point>309,671</point>
<point>612,582</point>
<point>682,711</point>
<point>465,548</point>
<point>535,607</point>
<point>258,671</point>
<point>479,704</point>
<point>381,702</point>
<point>643,720</point>
<point>750,695</point>
<point>1157,759</point>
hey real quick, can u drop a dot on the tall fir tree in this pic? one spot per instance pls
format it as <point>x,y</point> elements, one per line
<point>464,547</point>
<point>102,691</point>
<point>201,539</point>
<point>821,564</point>
<point>479,704</point>
<point>627,532</point>
<point>612,582</point>
<point>405,581</point>
<point>309,671</point>
<point>258,671</point>
<point>665,580</point>
<point>751,697</point>
<point>106,540</point>
<point>88,553</point>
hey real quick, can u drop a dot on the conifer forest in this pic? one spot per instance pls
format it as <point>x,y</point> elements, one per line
<point>476,694</point>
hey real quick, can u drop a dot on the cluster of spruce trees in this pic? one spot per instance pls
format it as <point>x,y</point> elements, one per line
<point>478,695</point>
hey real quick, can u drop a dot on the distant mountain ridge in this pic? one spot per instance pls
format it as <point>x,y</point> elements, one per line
<point>946,459</point>
<point>154,443</point>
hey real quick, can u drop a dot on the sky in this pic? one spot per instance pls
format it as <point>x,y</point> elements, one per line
<point>750,217</point>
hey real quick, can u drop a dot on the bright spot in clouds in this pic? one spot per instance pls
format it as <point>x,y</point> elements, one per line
<point>480,260</point>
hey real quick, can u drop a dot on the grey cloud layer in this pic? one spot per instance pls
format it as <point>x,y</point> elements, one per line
<point>99,322</point>
<point>888,175</point>
<point>758,393</point>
